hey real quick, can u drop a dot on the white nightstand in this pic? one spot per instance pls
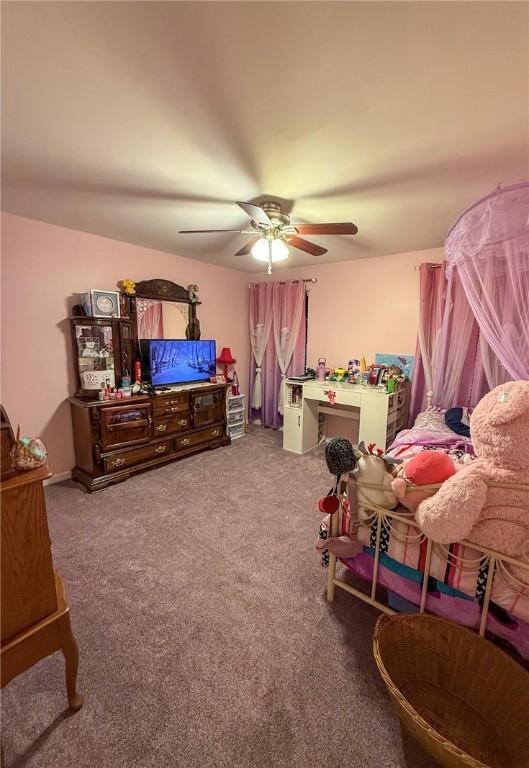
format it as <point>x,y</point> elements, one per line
<point>236,415</point>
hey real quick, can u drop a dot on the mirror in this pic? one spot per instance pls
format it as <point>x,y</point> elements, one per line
<point>161,309</point>
<point>175,319</point>
<point>161,319</point>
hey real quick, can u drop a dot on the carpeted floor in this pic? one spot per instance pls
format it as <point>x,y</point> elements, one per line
<point>198,604</point>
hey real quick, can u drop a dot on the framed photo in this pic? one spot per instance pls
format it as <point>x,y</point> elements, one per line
<point>98,303</point>
<point>212,379</point>
<point>220,378</point>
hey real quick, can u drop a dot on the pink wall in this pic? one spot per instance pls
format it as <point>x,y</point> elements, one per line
<point>362,307</point>
<point>43,266</point>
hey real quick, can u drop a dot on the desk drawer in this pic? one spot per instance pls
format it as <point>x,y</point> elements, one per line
<point>137,455</point>
<point>204,436</point>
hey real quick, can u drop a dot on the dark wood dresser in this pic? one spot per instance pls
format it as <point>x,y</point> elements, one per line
<point>117,438</point>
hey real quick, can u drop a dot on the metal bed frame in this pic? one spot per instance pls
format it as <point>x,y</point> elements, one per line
<point>497,561</point>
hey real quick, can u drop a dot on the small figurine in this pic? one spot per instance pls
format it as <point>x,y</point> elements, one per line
<point>192,292</point>
<point>321,368</point>
<point>129,287</point>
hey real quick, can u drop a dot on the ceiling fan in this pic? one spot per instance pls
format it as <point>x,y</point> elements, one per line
<point>272,232</point>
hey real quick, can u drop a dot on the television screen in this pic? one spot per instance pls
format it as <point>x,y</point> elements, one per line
<point>177,361</point>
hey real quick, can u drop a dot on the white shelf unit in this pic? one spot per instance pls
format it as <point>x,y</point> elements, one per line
<point>236,415</point>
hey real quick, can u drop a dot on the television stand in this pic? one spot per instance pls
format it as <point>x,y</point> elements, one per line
<point>115,439</point>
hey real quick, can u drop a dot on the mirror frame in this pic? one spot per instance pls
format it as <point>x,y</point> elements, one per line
<point>161,290</point>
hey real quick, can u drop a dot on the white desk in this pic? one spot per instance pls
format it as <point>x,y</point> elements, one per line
<point>378,413</point>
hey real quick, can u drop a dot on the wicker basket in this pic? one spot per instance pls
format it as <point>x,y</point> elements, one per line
<point>461,698</point>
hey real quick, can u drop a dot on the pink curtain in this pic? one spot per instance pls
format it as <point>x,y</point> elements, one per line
<point>458,377</point>
<point>487,251</point>
<point>260,327</point>
<point>450,351</point>
<point>287,298</point>
<point>150,320</point>
<point>432,283</point>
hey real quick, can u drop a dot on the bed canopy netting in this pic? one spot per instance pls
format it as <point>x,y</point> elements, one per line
<point>474,314</point>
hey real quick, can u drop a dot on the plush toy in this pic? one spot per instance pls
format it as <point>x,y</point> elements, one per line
<point>129,286</point>
<point>427,468</point>
<point>469,505</point>
<point>375,469</point>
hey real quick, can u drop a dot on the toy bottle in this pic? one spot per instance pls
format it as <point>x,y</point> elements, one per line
<point>321,368</point>
<point>137,371</point>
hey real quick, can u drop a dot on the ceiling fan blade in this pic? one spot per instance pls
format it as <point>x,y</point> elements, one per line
<point>342,228</point>
<point>255,213</point>
<point>202,231</point>
<point>306,245</point>
<point>246,249</point>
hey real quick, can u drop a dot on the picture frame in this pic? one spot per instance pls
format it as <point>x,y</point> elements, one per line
<point>212,379</point>
<point>220,378</point>
<point>98,303</point>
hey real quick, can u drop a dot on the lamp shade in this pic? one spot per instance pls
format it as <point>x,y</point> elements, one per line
<point>226,357</point>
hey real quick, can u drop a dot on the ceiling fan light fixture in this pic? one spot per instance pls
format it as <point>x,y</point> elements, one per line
<point>261,250</point>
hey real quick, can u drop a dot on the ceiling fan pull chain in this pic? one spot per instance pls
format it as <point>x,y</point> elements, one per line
<point>269,256</point>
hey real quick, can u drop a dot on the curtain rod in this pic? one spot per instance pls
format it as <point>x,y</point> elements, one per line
<point>434,266</point>
<point>313,280</point>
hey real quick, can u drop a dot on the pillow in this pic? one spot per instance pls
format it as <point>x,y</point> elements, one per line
<point>458,421</point>
<point>432,419</point>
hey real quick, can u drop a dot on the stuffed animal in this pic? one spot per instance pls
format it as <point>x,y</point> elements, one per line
<point>374,469</point>
<point>129,286</point>
<point>427,468</point>
<point>192,292</point>
<point>469,505</point>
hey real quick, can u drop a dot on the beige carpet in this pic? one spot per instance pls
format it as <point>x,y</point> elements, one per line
<point>206,642</point>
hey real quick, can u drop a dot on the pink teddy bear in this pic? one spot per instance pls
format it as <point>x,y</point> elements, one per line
<point>468,505</point>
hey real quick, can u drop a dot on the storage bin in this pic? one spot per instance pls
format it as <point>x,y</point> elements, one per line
<point>463,700</point>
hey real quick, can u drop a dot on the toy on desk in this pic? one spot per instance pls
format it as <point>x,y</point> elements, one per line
<point>353,369</point>
<point>338,374</point>
<point>321,368</point>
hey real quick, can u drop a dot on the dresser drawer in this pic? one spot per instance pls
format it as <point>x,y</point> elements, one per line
<point>171,403</point>
<point>124,425</point>
<point>137,455</point>
<point>165,424</point>
<point>213,433</point>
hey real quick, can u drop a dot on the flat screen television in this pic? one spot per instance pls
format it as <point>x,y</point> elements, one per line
<point>178,361</point>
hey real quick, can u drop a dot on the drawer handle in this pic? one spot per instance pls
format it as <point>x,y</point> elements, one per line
<point>161,427</point>
<point>215,432</point>
<point>182,423</point>
<point>161,449</point>
<point>118,462</point>
<point>185,441</point>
